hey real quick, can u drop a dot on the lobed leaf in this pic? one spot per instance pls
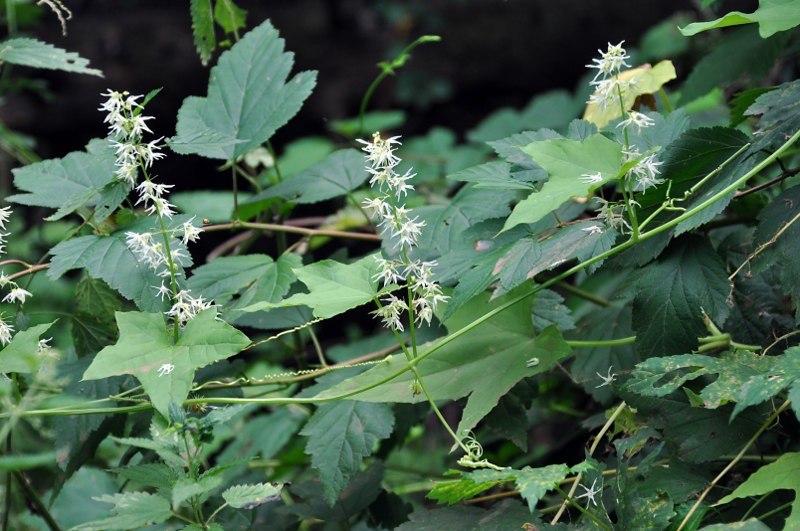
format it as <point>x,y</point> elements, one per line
<point>248,98</point>
<point>131,510</point>
<point>771,16</point>
<point>203,29</point>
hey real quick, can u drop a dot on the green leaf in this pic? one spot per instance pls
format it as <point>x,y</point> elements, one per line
<point>452,492</point>
<point>508,514</point>
<point>784,372</point>
<point>672,293</point>
<point>693,156</point>
<point>734,54</point>
<point>751,524</point>
<point>109,259</point>
<point>779,116</point>
<point>784,473</point>
<point>82,178</point>
<point>771,16</point>
<point>780,217</point>
<point>333,287</point>
<point>203,29</point>
<point>341,172</point>
<point>199,489</point>
<point>534,483</point>
<point>251,496</point>
<point>529,256</point>
<point>216,206</point>
<point>373,121</point>
<point>22,354</point>
<point>548,308</point>
<point>484,363</point>
<point>230,16</point>
<point>158,475</point>
<point>566,161</point>
<point>144,347</point>
<point>662,376</point>
<point>227,275</point>
<point>495,174</point>
<point>340,435</point>
<point>132,510</point>
<point>248,99</point>
<point>38,54</point>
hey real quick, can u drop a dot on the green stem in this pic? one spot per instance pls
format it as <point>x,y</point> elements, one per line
<point>665,99</point>
<point>274,161</point>
<point>388,68</point>
<point>31,495</point>
<point>235,192</point>
<point>566,286</point>
<point>607,343</point>
<point>292,229</point>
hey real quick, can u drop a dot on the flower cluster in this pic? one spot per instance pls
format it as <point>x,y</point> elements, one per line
<point>127,126</point>
<point>607,82</point>
<point>396,222</point>
<point>17,294</point>
<point>645,172</point>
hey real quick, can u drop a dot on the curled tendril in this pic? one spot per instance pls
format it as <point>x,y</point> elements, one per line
<point>474,453</point>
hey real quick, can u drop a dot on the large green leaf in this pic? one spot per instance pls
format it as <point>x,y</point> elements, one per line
<point>251,496</point>
<point>784,473</point>
<point>340,435</point>
<point>82,178</point>
<point>567,162</point>
<point>132,510</point>
<point>771,16</point>
<point>780,116</point>
<point>38,54</point>
<point>341,172</point>
<point>484,363</point>
<point>508,514</point>
<point>144,347</point>
<point>528,256</point>
<point>248,99</point>
<point>672,293</point>
<point>333,287</point>
<point>225,276</point>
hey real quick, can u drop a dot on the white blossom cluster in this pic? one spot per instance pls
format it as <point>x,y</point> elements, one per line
<point>127,126</point>
<point>395,220</point>
<point>607,82</point>
<point>17,294</point>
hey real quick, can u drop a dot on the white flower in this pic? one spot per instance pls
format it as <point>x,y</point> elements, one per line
<point>162,290</point>
<point>44,344</point>
<point>387,272</point>
<point>592,178</point>
<point>607,380</point>
<point>190,232</point>
<point>380,152</point>
<point>391,311</point>
<point>17,294</point>
<point>5,332</point>
<point>637,120</point>
<point>186,307</point>
<point>167,368</point>
<point>593,229</point>
<point>611,61</point>
<point>590,494</point>
<point>5,213</point>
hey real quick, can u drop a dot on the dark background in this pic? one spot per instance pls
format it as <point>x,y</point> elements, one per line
<point>493,53</point>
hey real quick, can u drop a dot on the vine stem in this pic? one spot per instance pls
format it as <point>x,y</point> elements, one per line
<point>589,515</point>
<point>293,229</point>
<point>594,446</point>
<point>733,462</point>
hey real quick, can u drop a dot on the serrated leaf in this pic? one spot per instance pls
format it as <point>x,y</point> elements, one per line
<point>784,473</point>
<point>203,28</point>
<point>95,297</point>
<point>645,79</point>
<point>158,475</point>
<point>783,373</point>
<point>38,54</point>
<point>737,52</point>
<point>779,117</point>
<point>22,354</point>
<point>672,293</point>
<point>109,259</point>
<point>495,174</point>
<point>82,178</point>
<point>248,99</point>
<point>662,376</point>
<point>452,492</point>
<point>227,275</point>
<point>534,483</point>
<point>198,489</point>
<point>144,347</point>
<point>548,308</point>
<point>771,16</point>
<point>340,435</point>
<point>251,496</point>
<point>567,162</point>
<point>484,363</point>
<point>333,287</point>
<point>528,257</point>
<point>693,156</point>
<point>341,172</point>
